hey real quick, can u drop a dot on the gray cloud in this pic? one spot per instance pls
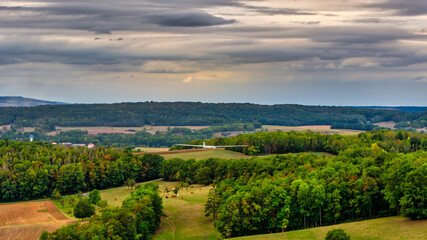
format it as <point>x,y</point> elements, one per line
<point>277,11</point>
<point>403,7</point>
<point>189,19</point>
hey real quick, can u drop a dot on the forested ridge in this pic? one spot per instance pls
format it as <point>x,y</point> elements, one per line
<point>371,176</point>
<point>196,113</point>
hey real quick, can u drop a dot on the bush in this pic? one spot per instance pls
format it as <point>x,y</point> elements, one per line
<point>94,197</point>
<point>56,195</point>
<point>337,234</point>
<point>83,209</point>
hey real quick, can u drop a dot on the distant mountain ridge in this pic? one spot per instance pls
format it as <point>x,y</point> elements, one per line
<point>16,101</point>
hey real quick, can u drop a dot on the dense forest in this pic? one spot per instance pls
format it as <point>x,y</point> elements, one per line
<point>196,113</point>
<point>375,174</point>
<point>35,170</point>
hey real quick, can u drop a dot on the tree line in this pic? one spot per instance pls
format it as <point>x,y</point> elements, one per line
<point>35,170</point>
<point>196,113</point>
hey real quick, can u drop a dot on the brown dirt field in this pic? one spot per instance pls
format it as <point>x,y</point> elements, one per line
<point>27,220</point>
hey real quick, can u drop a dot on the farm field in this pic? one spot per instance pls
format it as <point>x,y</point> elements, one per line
<point>388,228</point>
<point>206,153</point>
<point>27,220</point>
<point>326,129</point>
<point>388,124</point>
<point>152,150</point>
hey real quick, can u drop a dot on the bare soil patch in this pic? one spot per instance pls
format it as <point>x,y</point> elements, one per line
<point>27,220</point>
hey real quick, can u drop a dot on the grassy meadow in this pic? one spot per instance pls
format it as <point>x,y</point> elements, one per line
<point>217,153</point>
<point>185,218</point>
<point>388,228</point>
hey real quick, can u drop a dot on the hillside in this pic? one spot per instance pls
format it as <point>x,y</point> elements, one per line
<point>200,114</point>
<point>24,102</point>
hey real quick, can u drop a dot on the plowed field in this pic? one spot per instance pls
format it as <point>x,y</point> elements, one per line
<point>27,220</point>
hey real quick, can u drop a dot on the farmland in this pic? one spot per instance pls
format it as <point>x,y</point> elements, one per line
<point>204,154</point>
<point>27,220</point>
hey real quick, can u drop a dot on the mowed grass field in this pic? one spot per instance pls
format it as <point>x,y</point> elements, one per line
<point>205,154</point>
<point>27,220</point>
<point>388,228</point>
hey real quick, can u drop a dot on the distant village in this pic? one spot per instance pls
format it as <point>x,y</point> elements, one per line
<point>68,144</point>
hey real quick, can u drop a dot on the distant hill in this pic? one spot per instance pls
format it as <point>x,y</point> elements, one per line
<point>203,114</point>
<point>24,102</point>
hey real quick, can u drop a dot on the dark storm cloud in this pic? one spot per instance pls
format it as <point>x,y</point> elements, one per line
<point>277,11</point>
<point>189,19</point>
<point>403,7</point>
<point>101,17</point>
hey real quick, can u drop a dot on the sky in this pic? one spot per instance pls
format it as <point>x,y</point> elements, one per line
<point>329,52</point>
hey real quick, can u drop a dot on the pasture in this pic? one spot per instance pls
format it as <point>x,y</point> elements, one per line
<point>27,220</point>
<point>205,154</point>
<point>388,228</point>
<point>185,213</point>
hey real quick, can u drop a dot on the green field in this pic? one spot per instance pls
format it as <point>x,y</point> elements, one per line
<point>375,229</point>
<point>217,153</point>
<point>185,218</point>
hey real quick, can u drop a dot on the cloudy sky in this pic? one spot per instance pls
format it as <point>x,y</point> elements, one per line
<point>329,52</point>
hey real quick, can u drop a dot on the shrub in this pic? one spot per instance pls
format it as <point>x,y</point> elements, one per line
<point>337,234</point>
